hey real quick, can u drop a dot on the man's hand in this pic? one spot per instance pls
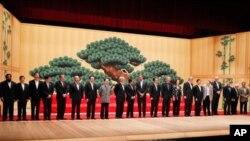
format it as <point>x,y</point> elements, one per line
<point>87,100</point>
<point>49,96</point>
<point>225,99</point>
<point>151,98</point>
<point>185,97</point>
<point>196,99</point>
<point>173,99</point>
<point>218,92</point>
<point>64,95</point>
<point>2,99</point>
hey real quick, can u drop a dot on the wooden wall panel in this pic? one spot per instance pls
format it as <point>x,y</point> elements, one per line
<point>41,43</point>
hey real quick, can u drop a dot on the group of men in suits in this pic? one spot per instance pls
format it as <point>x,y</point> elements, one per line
<point>38,90</point>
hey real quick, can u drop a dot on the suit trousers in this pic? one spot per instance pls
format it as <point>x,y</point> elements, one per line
<point>8,107</point>
<point>243,107</point>
<point>61,104</point>
<point>142,106</point>
<point>104,110</point>
<point>206,106</point>
<point>130,108</point>
<point>91,109</point>
<point>35,106</point>
<point>154,107</point>
<point>165,107</point>
<point>119,108</point>
<point>176,107</point>
<point>21,106</point>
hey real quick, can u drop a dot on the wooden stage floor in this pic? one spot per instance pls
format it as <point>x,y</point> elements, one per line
<point>120,129</point>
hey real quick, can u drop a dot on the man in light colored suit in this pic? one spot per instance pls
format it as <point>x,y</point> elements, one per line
<point>244,94</point>
<point>105,92</point>
<point>207,97</point>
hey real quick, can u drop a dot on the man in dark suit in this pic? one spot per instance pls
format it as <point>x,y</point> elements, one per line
<point>227,97</point>
<point>47,92</point>
<point>22,95</point>
<point>235,98</point>
<point>8,96</point>
<point>188,96</point>
<point>217,89</point>
<point>198,96</point>
<point>130,92</point>
<point>91,95</point>
<point>76,95</point>
<point>155,92</point>
<point>120,97</point>
<point>166,92</point>
<point>141,89</point>
<point>35,95</point>
<point>61,93</point>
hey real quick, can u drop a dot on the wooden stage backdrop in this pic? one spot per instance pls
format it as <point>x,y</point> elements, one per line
<point>33,45</point>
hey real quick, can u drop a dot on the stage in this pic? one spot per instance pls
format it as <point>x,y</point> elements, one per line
<point>120,129</point>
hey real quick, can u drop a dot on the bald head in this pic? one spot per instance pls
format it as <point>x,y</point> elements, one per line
<point>216,78</point>
<point>168,79</point>
<point>190,79</point>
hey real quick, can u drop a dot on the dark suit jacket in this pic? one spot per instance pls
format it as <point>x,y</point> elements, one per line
<point>6,92</point>
<point>33,91</point>
<point>167,90</point>
<point>91,94</point>
<point>187,90</point>
<point>155,94</point>
<point>235,94</point>
<point>76,94</point>
<point>129,91</point>
<point>46,91</point>
<point>198,93</point>
<point>60,90</point>
<point>142,89</point>
<point>227,93</point>
<point>22,95</point>
<point>215,88</point>
<point>119,92</point>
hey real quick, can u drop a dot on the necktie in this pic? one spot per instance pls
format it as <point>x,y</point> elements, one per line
<point>168,86</point>
<point>156,87</point>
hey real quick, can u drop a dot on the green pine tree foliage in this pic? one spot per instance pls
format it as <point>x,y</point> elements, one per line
<point>69,67</point>
<point>112,51</point>
<point>156,69</point>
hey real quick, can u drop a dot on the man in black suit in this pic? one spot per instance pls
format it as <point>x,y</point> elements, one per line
<point>22,95</point>
<point>35,95</point>
<point>235,98</point>
<point>141,89</point>
<point>76,95</point>
<point>198,96</point>
<point>130,92</point>
<point>91,95</point>
<point>120,97</point>
<point>188,96</point>
<point>155,92</point>
<point>47,92</point>
<point>217,89</point>
<point>61,93</point>
<point>227,97</point>
<point>8,96</point>
<point>166,91</point>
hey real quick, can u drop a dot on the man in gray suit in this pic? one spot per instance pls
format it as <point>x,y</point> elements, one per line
<point>105,92</point>
<point>244,94</point>
<point>207,97</point>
